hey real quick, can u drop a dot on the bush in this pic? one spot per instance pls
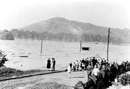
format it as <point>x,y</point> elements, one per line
<point>124,79</point>
<point>7,36</point>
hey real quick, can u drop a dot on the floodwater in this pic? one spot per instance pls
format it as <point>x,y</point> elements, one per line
<point>63,52</point>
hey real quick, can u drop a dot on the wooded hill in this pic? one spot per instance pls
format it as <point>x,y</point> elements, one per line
<point>61,29</point>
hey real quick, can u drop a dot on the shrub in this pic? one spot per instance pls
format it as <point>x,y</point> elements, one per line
<point>124,79</point>
<point>7,36</point>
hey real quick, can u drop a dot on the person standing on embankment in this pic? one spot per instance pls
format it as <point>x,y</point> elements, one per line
<point>48,64</point>
<point>69,70</point>
<point>53,64</point>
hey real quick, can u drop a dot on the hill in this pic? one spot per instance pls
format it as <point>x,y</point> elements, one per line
<point>80,30</point>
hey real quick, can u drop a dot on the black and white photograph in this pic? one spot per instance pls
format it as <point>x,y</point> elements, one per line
<point>64,44</point>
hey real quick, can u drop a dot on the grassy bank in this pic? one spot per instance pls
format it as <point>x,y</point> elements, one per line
<point>10,73</point>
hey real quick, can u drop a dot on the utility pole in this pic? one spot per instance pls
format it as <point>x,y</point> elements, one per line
<point>41,45</point>
<point>80,45</point>
<point>108,44</point>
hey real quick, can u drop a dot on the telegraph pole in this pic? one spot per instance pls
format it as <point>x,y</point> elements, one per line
<point>80,45</point>
<point>41,45</point>
<point>108,44</point>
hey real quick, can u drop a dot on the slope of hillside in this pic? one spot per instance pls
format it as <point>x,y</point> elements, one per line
<point>61,25</point>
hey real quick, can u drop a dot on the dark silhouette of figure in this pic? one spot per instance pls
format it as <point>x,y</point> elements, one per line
<point>48,63</point>
<point>94,61</point>
<point>71,65</point>
<point>53,64</point>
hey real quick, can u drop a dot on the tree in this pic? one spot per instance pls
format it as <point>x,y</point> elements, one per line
<point>15,32</point>
<point>7,36</point>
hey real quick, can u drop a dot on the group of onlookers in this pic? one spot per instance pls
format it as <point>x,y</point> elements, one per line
<point>91,64</point>
<point>51,62</point>
<point>102,73</point>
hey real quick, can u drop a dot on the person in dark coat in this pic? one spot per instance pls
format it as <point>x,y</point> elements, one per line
<point>53,64</point>
<point>94,61</point>
<point>48,63</point>
<point>100,82</point>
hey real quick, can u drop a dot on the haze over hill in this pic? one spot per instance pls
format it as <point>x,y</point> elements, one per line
<point>61,29</point>
<point>58,24</point>
<point>61,25</point>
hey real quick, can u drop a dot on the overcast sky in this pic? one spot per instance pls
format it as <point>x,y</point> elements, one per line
<point>109,13</point>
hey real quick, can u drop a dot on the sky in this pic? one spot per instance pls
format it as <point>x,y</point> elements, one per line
<point>108,13</point>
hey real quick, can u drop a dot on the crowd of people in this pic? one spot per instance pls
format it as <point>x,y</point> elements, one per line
<point>51,62</point>
<point>92,65</point>
<point>101,73</point>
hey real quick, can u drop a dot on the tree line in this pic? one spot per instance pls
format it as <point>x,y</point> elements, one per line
<point>68,37</point>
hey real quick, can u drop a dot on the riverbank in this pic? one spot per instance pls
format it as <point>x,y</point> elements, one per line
<point>36,82</point>
<point>11,74</point>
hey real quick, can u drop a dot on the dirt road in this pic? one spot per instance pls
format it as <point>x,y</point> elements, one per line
<point>60,78</point>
